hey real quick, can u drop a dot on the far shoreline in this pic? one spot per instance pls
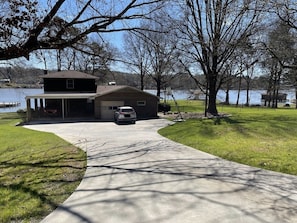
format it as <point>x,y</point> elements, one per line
<point>12,85</point>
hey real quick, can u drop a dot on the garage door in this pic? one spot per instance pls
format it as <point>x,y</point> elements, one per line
<point>108,108</point>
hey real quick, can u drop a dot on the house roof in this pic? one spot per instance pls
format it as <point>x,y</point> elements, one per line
<point>107,89</point>
<point>69,74</point>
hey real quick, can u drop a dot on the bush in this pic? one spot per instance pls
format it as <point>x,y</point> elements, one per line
<point>164,107</point>
<point>22,114</point>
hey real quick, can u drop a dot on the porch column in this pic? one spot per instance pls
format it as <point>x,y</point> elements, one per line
<point>28,102</point>
<point>63,109</point>
<point>36,104</point>
<point>41,103</point>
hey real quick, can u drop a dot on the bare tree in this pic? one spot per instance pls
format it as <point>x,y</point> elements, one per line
<point>43,55</point>
<point>286,10</point>
<point>154,50</point>
<point>88,57</point>
<point>280,50</point>
<point>247,58</point>
<point>291,78</point>
<point>29,25</point>
<point>211,31</point>
<point>163,57</point>
<point>135,55</point>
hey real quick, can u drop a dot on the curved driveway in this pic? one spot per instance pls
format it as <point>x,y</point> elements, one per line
<point>135,175</point>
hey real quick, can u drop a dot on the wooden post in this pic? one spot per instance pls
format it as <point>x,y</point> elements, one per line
<point>28,102</point>
<point>36,104</point>
<point>41,103</point>
<point>63,109</point>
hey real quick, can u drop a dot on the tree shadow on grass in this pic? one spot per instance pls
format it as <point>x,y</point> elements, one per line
<point>39,182</point>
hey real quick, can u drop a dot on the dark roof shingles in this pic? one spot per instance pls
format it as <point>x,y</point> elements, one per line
<point>69,74</point>
<point>106,89</point>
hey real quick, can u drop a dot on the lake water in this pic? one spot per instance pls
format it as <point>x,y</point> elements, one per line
<point>16,95</point>
<point>254,96</point>
<point>19,94</point>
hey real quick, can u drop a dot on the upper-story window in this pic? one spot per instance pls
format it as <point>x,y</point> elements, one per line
<point>70,84</point>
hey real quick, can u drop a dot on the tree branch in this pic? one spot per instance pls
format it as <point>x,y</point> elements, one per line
<point>62,37</point>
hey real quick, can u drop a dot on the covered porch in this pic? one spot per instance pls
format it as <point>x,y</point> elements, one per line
<point>60,106</point>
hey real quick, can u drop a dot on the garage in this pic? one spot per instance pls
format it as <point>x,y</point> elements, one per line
<point>108,108</point>
<point>109,97</point>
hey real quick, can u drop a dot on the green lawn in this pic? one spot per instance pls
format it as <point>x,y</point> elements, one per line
<point>260,137</point>
<point>38,171</point>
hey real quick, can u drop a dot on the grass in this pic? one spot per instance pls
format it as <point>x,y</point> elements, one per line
<point>259,137</point>
<point>38,171</point>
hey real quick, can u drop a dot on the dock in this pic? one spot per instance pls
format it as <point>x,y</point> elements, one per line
<point>9,104</point>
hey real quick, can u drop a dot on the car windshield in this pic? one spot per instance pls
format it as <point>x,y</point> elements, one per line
<point>127,110</point>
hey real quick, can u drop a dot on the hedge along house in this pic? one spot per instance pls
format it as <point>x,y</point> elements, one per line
<point>73,94</point>
<point>108,98</point>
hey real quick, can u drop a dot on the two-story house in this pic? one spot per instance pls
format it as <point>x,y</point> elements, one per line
<point>67,94</point>
<point>73,94</point>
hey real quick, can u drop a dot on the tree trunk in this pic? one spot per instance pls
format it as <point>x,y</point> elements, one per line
<point>227,99</point>
<point>212,96</point>
<point>247,103</point>
<point>296,97</point>
<point>141,77</point>
<point>239,89</point>
<point>277,88</point>
<point>206,100</point>
<point>158,81</point>
<point>59,60</point>
<point>276,99</point>
<point>269,100</point>
<point>274,93</point>
<point>142,81</point>
<point>212,106</point>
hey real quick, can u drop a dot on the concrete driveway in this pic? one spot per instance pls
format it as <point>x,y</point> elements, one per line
<point>135,175</point>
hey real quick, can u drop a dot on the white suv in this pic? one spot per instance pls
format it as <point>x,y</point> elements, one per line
<point>125,114</point>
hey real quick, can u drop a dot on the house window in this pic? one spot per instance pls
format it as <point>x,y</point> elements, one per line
<point>70,84</point>
<point>141,103</point>
<point>112,108</point>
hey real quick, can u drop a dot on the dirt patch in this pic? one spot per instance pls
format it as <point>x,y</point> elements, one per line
<point>190,115</point>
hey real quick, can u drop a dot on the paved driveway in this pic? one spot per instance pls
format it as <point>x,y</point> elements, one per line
<point>135,175</point>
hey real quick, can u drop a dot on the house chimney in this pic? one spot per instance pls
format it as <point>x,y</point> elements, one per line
<point>45,72</point>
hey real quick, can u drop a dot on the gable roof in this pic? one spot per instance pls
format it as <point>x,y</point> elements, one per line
<point>69,74</point>
<point>107,89</point>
